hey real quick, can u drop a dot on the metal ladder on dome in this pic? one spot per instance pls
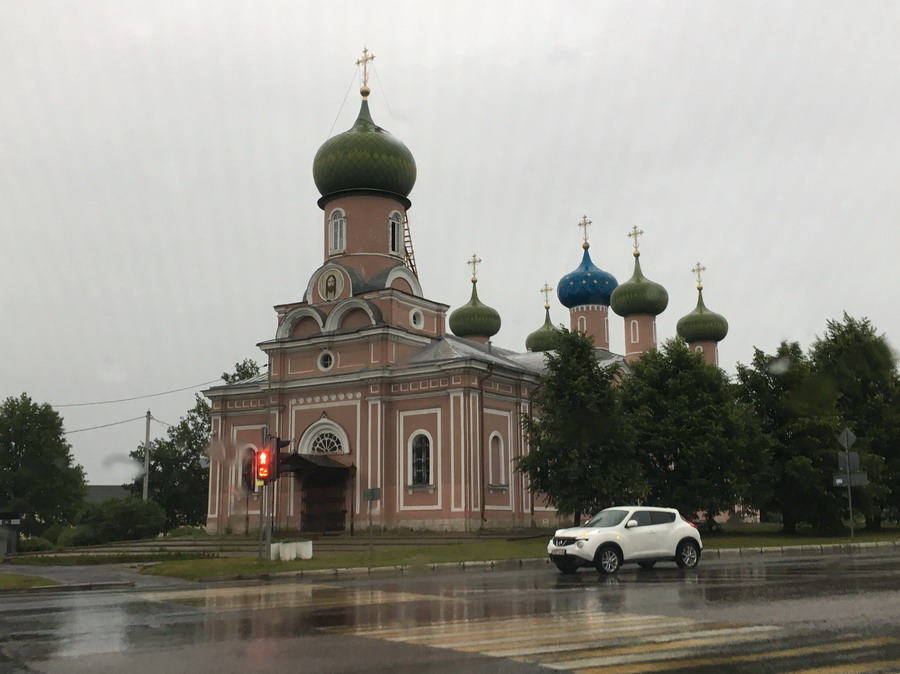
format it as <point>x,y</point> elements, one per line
<point>409,256</point>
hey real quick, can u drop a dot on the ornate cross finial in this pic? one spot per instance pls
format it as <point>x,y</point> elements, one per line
<point>364,62</point>
<point>584,224</point>
<point>698,269</point>
<point>545,291</point>
<point>634,235</point>
<point>474,262</point>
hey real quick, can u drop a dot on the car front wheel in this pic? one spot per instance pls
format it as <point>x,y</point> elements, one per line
<point>608,560</point>
<point>688,554</point>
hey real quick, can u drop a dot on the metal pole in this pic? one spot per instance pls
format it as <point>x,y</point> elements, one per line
<point>147,456</point>
<point>270,518</point>
<point>849,496</point>
<point>370,534</point>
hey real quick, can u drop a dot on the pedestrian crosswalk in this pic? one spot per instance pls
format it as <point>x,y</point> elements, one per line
<point>582,641</point>
<point>628,643</point>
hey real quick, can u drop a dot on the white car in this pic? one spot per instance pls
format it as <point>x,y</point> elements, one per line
<point>624,534</point>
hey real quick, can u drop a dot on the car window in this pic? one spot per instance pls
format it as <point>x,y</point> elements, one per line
<point>607,518</point>
<point>662,518</point>
<point>642,517</point>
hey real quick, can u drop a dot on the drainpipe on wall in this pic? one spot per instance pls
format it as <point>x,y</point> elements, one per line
<point>483,480</point>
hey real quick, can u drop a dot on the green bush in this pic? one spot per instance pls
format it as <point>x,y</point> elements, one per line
<point>35,544</point>
<point>73,537</point>
<point>52,532</point>
<point>187,532</point>
<point>116,520</point>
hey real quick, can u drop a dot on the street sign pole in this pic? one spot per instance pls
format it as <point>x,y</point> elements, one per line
<point>371,495</point>
<point>846,440</point>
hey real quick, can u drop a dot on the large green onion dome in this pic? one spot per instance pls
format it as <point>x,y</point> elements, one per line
<point>364,158</point>
<point>639,295</point>
<point>588,284</point>
<point>702,325</point>
<point>546,337</point>
<point>475,319</point>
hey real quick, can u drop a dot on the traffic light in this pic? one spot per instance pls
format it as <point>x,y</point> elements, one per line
<point>266,467</point>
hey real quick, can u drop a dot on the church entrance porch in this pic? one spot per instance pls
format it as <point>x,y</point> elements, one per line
<point>324,487</point>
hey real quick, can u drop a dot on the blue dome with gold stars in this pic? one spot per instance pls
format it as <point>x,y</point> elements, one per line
<point>586,285</point>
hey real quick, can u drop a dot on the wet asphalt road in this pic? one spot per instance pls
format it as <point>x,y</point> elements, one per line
<point>834,613</point>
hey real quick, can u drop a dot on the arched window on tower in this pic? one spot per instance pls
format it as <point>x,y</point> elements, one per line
<point>421,460</point>
<point>497,467</point>
<point>582,324</point>
<point>395,233</point>
<point>337,230</point>
<point>634,331</point>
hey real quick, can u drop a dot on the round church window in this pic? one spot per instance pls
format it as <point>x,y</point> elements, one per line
<point>326,443</point>
<point>326,360</point>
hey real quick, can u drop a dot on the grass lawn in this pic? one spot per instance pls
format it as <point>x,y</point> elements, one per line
<point>751,536</point>
<point>14,581</point>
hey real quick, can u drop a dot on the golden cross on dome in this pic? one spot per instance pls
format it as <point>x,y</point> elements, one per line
<point>364,62</point>
<point>698,269</point>
<point>584,224</point>
<point>474,262</point>
<point>635,234</point>
<point>545,291</point>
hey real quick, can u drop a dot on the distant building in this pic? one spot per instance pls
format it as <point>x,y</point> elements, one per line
<point>97,493</point>
<point>372,392</point>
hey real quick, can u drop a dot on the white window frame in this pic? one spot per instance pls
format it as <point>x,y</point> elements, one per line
<point>582,324</point>
<point>337,231</point>
<point>635,331</point>
<point>501,479</point>
<point>411,461</point>
<point>319,427</point>
<point>395,222</point>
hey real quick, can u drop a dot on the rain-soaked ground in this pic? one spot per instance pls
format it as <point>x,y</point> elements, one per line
<point>835,613</point>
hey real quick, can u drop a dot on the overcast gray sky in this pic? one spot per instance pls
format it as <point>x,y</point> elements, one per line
<point>156,195</point>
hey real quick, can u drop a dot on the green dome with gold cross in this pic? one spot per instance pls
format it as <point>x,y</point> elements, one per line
<point>365,157</point>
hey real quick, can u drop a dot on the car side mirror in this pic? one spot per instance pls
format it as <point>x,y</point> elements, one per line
<point>631,524</point>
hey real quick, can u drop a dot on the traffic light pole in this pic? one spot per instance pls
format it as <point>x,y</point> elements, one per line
<point>147,457</point>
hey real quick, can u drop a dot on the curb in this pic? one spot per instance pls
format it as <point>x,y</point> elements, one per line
<point>72,587</point>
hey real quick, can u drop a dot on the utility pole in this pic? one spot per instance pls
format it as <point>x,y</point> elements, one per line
<point>147,456</point>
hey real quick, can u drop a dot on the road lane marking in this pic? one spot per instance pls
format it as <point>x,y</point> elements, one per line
<point>855,667</point>
<point>282,596</point>
<point>688,663</point>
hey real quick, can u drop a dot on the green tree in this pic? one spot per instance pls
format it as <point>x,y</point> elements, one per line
<point>797,413</point>
<point>858,364</point>
<point>699,447</point>
<point>39,478</point>
<point>577,456</point>
<point>179,475</point>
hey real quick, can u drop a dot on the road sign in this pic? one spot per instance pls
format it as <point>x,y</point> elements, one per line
<point>373,494</point>
<point>843,459</point>
<point>859,479</point>
<point>846,438</point>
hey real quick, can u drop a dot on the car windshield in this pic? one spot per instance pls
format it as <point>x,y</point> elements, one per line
<point>607,518</point>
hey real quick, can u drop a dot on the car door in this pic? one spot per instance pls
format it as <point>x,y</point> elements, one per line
<point>664,533</point>
<point>640,540</point>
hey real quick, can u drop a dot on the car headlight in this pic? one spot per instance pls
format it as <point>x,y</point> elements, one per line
<point>579,544</point>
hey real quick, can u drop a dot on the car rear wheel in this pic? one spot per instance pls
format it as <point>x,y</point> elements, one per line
<point>608,560</point>
<point>648,564</point>
<point>688,554</point>
<point>566,565</point>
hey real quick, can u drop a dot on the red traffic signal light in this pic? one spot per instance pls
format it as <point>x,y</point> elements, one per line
<point>264,464</point>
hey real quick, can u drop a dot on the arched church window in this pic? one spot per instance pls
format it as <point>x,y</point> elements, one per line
<point>421,460</point>
<point>326,443</point>
<point>337,231</point>
<point>395,233</point>
<point>497,466</point>
<point>634,332</point>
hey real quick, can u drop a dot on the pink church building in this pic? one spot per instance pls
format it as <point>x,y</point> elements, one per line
<point>370,391</point>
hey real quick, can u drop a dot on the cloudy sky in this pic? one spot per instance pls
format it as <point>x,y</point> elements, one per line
<point>156,195</point>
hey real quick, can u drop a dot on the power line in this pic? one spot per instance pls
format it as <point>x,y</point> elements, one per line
<point>160,421</point>
<point>151,395</point>
<point>115,423</point>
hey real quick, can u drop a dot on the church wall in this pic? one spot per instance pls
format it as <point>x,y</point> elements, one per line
<point>368,226</point>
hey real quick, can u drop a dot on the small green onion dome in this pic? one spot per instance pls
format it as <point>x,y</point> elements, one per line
<point>639,295</point>
<point>702,325</point>
<point>545,338</point>
<point>475,319</point>
<point>364,158</point>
